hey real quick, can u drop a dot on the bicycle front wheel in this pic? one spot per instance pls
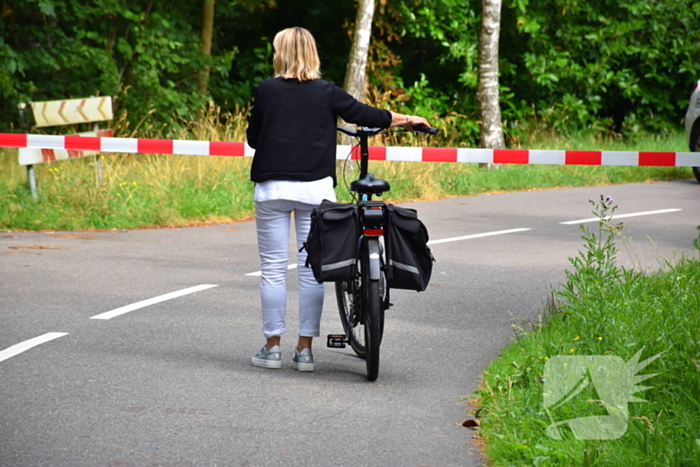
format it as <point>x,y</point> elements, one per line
<point>350,307</point>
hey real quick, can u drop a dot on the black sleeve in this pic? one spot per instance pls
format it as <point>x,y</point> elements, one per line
<point>353,111</point>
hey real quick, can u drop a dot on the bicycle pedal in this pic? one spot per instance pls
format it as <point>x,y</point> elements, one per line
<point>337,341</point>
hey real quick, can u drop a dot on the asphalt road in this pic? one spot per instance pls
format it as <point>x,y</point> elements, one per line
<point>171,384</point>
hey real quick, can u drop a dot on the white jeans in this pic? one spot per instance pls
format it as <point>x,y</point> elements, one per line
<point>272,219</point>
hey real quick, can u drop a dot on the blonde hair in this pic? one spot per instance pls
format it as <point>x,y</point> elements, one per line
<point>296,56</point>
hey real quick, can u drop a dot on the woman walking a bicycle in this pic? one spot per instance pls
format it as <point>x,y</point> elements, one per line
<point>292,127</point>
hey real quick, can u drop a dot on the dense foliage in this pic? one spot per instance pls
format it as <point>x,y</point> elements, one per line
<point>610,65</point>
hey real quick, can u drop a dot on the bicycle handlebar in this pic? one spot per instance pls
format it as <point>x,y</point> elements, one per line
<point>364,131</point>
<point>424,129</point>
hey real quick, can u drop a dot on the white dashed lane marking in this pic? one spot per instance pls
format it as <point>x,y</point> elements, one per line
<point>26,345</point>
<point>473,236</point>
<point>622,216</point>
<point>151,301</point>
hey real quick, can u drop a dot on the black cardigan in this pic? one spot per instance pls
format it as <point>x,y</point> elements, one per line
<point>292,127</point>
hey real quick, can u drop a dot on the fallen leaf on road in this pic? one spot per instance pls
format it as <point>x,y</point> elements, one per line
<point>82,237</point>
<point>7,253</point>
<point>471,424</point>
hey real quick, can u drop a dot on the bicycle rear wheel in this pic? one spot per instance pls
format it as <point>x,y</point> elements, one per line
<point>373,308</point>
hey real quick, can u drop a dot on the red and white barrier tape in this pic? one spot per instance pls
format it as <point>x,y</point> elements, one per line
<point>391,153</point>
<point>29,156</point>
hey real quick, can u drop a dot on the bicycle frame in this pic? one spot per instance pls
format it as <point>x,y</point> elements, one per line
<point>371,212</point>
<point>363,135</point>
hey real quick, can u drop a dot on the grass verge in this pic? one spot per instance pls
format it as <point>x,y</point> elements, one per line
<point>601,313</point>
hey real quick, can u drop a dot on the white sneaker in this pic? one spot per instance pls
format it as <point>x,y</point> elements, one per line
<point>268,358</point>
<point>303,361</point>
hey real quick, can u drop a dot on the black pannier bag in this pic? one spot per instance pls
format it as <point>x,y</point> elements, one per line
<point>332,244</point>
<point>409,260</point>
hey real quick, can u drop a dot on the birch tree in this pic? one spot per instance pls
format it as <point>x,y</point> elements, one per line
<point>355,74</point>
<point>491,131</point>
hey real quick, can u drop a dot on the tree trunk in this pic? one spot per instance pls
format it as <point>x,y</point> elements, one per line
<point>357,62</point>
<point>491,132</point>
<point>355,73</point>
<point>205,45</point>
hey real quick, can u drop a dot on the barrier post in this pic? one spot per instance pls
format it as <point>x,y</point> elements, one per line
<point>98,157</point>
<point>31,174</point>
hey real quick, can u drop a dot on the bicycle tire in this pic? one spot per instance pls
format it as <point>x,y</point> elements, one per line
<point>373,313</point>
<point>349,298</point>
<point>350,308</point>
<point>373,325</point>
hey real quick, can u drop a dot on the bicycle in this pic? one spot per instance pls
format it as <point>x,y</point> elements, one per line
<point>363,300</point>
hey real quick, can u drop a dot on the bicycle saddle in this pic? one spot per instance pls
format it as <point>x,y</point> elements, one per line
<point>369,184</point>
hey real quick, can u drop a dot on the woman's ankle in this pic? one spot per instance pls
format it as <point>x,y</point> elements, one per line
<point>304,343</point>
<point>273,341</point>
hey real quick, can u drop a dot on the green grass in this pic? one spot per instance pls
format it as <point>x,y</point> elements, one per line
<point>137,191</point>
<point>163,190</point>
<point>602,310</point>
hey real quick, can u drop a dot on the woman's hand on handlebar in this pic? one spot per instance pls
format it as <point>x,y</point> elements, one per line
<point>407,120</point>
